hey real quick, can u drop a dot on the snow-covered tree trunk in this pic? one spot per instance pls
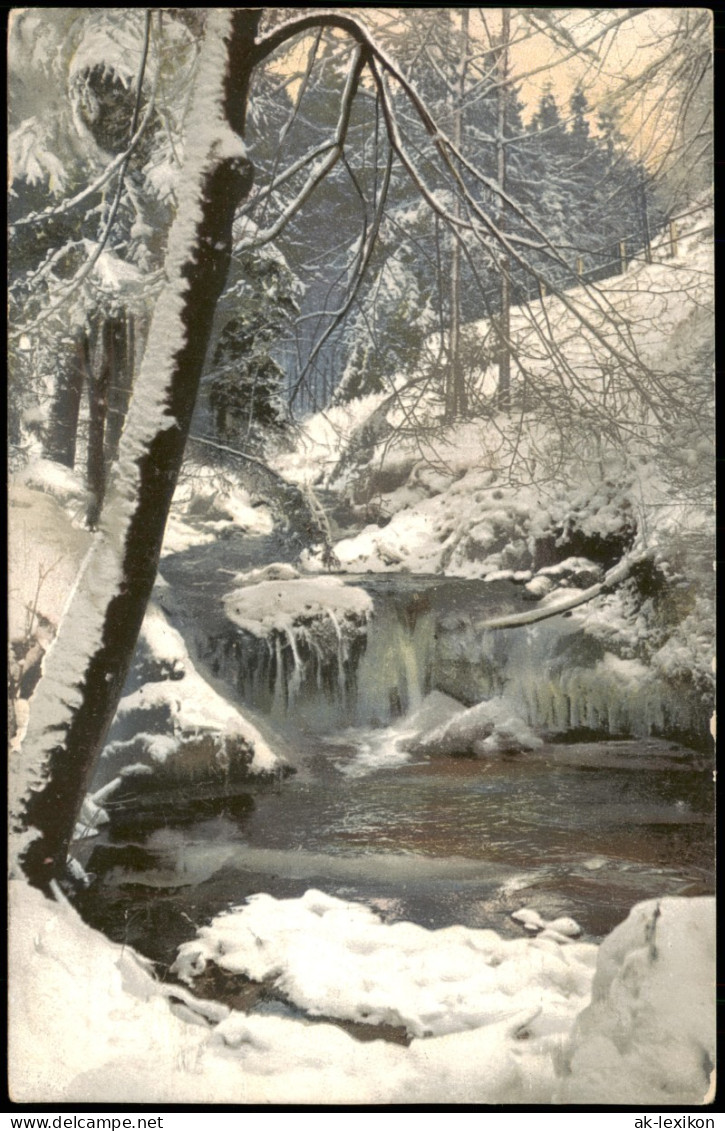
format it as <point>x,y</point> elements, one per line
<point>86,667</point>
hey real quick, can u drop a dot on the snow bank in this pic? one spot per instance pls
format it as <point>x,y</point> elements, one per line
<point>277,606</point>
<point>44,550</point>
<point>648,1036</point>
<point>321,437</point>
<point>175,720</point>
<point>80,1008</point>
<point>88,1023</point>
<point>57,480</point>
<point>338,959</point>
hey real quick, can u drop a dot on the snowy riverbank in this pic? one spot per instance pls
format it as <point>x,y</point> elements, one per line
<point>90,1024</point>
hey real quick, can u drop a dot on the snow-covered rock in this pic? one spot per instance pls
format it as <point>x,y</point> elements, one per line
<point>338,959</point>
<point>488,728</point>
<point>280,606</point>
<point>648,1036</point>
<point>175,731</point>
<point>579,573</point>
<point>539,586</point>
<point>275,571</point>
<point>529,918</point>
<point>561,930</point>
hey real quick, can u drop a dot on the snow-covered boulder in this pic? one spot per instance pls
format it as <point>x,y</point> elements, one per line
<point>648,1036</point>
<point>576,573</point>
<point>538,587</point>
<point>561,929</point>
<point>174,732</point>
<point>283,606</point>
<point>489,728</point>
<point>275,571</point>
<point>292,639</point>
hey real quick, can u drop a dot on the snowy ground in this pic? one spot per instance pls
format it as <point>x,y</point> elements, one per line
<point>88,1023</point>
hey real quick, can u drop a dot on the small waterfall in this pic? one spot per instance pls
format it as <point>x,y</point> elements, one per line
<point>330,671</point>
<point>558,679</point>
<point>396,669</point>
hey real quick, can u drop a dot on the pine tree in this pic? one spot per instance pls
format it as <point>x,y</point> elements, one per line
<point>245,383</point>
<point>84,245</point>
<point>579,124</point>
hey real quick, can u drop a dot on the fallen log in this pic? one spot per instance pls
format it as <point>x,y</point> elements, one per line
<point>618,573</point>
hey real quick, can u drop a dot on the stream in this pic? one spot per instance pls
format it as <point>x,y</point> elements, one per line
<point>585,828</point>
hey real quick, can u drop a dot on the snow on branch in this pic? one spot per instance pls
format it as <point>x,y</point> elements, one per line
<point>73,201</point>
<point>615,576</point>
<point>324,166</point>
<point>88,267</point>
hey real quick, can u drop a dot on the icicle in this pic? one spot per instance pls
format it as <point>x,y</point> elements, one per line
<point>295,681</point>
<point>341,655</point>
<point>279,695</point>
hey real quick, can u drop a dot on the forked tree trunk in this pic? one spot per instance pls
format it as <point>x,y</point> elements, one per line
<point>85,669</point>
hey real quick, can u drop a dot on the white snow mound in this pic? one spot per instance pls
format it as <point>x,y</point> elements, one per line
<point>648,1036</point>
<point>338,959</point>
<point>277,605</point>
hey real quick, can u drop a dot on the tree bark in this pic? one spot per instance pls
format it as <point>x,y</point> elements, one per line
<point>99,381</point>
<point>86,666</point>
<point>62,434</point>
<point>119,389</point>
<point>456,401</point>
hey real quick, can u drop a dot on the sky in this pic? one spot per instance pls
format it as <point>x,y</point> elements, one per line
<point>616,46</point>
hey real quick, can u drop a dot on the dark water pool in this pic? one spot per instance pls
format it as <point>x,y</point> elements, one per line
<point>585,830</point>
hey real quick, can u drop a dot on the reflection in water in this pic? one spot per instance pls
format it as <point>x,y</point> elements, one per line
<point>439,841</point>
